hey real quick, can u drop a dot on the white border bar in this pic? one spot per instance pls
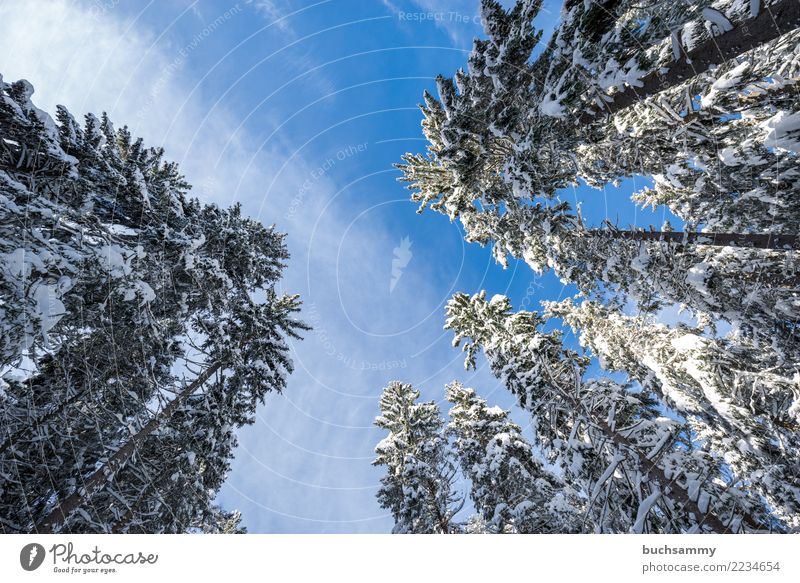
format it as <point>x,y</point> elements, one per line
<point>408,559</point>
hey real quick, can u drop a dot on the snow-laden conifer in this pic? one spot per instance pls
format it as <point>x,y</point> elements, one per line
<point>509,486</point>
<point>724,162</point>
<point>418,486</point>
<point>121,294</point>
<point>739,400</point>
<point>641,470</point>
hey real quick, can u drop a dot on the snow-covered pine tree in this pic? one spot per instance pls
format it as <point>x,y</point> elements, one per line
<point>418,486</point>
<point>170,484</point>
<point>607,54</point>
<point>221,521</point>
<point>720,150</point>
<point>739,399</point>
<point>63,271</point>
<point>510,488</point>
<point>166,476</point>
<point>720,147</point>
<point>754,290</point>
<point>510,117</point>
<point>641,470</point>
<point>717,145</point>
<point>686,39</point>
<point>723,162</point>
<point>109,273</point>
<point>505,129</point>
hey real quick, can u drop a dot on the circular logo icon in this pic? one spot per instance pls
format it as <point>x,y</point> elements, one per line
<point>31,556</point>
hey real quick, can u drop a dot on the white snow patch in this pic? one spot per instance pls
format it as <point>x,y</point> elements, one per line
<point>116,260</point>
<point>20,261</point>
<point>698,276</point>
<point>783,131</point>
<point>718,19</point>
<point>49,307</point>
<point>121,230</point>
<point>728,157</point>
<point>644,508</point>
<point>641,261</point>
<point>142,289</point>
<point>688,342</point>
<point>725,82</point>
<point>497,298</point>
<point>551,107</point>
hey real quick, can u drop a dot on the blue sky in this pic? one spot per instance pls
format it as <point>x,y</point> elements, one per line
<point>298,111</point>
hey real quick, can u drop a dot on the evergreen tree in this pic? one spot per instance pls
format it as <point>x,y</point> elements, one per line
<point>747,418</point>
<point>641,470</point>
<point>506,116</point>
<point>510,488</point>
<point>717,32</point>
<point>505,132</point>
<point>724,162</point>
<point>223,522</point>
<point>720,147</point>
<point>113,280</point>
<point>418,486</point>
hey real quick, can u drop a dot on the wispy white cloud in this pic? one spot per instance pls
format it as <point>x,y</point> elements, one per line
<point>274,12</point>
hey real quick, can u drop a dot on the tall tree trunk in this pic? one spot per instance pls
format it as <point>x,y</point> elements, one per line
<point>772,22</point>
<point>94,483</point>
<point>747,240</point>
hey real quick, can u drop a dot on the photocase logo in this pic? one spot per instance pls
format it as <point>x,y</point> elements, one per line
<point>31,556</point>
<point>402,255</point>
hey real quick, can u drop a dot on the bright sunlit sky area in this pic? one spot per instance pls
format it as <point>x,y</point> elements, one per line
<point>298,110</point>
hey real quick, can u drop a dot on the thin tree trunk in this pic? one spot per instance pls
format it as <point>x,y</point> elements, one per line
<point>743,240</point>
<point>772,22</point>
<point>94,483</point>
<point>747,240</point>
